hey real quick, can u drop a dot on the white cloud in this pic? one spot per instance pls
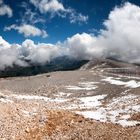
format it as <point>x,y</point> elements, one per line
<point>54,7</point>
<point>48,5</point>
<point>78,18</point>
<point>29,15</point>
<point>27,30</point>
<point>9,55</point>
<point>120,39</point>
<point>1,1</point>
<point>3,43</point>
<point>41,53</point>
<point>5,9</point>
<point>15,54</point>
<point>32,17</point>
<point>81,46</point>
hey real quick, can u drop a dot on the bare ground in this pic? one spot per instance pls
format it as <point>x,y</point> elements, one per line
<point>43,107</point>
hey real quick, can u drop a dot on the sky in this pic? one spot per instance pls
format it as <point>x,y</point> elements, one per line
<point>59,23</point>
<point>41,30</point>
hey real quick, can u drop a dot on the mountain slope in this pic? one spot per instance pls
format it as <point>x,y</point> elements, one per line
<point>58,64</point>
<point>112,66</point>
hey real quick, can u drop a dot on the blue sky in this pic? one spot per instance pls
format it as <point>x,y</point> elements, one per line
<point>41,30</point>
<point>58,25</point>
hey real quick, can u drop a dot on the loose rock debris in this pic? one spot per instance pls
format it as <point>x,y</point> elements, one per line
<point>69,108</point>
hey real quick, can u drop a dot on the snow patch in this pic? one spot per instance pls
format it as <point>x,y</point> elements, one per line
<point>117,111</point>
<point>126,123</point>
<point>33,97</point>
<point>92,115</point>
<point>83,86</point>
<point>92,101</point>
<point>62,94</point>
<point>131,83</point>
<point>4,100</point>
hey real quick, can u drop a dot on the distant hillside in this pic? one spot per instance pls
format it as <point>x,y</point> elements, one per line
<point>112,66</point>
<point>58,64</point>
<point>107,63</point>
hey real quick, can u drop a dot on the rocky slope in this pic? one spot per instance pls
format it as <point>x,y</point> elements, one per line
<point>91,103</point>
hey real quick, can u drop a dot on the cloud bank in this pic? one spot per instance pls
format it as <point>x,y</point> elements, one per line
<point>28,53</point>
<point>119,39</point>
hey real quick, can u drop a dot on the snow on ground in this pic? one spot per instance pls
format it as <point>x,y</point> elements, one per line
<point>5,100</point>
<point>46,99</point>
<point>12,97</point>
<point>29,97</point>
<point>76,88</point>
<point>83,86</point>
<point>125,123</point>
<point>63,94</point>
<point>92,114</point>
<point>130,84</point>
<point>118,111</point>
<point>91,101</point>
